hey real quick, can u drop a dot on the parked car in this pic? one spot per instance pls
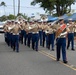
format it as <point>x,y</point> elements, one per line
<point>1,27</point>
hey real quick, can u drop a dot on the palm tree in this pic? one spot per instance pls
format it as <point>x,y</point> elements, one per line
<point>18,6</point>
<point>4,5</point>
<point>14,6</point>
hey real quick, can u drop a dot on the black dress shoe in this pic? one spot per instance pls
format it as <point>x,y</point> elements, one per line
<point>65,61</point>
<point>52,50</point>
<point>57,59</point>
<point>13,48</point>
<point>17,51</point>
<point>37,50</point>
<point>67,47</point>
<point>73,49</point>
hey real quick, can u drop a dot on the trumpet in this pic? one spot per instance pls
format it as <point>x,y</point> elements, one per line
<point>72,26</point>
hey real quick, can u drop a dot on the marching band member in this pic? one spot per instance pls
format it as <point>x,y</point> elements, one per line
<point>22,24</point>
<point>25,32</point>
<point>8,33</point>
<point>44,27</point>
<point>35,36</point>
<point>15,29</point>
<point>71,35</point>
<point>51,37</point>
<point>40,33</point>
<point>61,41</point>
<point>21,33</point>
<point>5,27</point>
<point>29,35</point>
<point>11,33</point>
<point>51,34</point>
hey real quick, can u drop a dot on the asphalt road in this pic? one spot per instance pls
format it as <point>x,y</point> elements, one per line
<point>30,62</point>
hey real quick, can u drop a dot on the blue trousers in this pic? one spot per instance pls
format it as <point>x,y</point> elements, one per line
<point>71,39</point>
<point>22,35</point>
<point>51,41</point>
<point>61,44</point>
<point>11,39</point>
<point>40,37</point>
<point>35,39</point>
<point>25,37</point>
<point>8,38</point>
<point>29,39</point>
<point>47,40</point>
<point>5,36</point>
<point>16,42</point>
<point>44,37</point>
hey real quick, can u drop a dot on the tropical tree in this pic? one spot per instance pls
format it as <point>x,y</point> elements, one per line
<point>3,18</point>
<point>11,16</point>
<point>4,5</point>
<point>61,6</point>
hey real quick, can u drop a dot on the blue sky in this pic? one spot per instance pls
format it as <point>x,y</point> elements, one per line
<point>25,7</point>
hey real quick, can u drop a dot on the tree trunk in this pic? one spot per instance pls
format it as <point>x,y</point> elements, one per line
<point>58,8</point>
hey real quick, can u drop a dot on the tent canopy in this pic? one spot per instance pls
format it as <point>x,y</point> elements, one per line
<point>64,16</point>
<point>52,18</point>
<point>73,17</point>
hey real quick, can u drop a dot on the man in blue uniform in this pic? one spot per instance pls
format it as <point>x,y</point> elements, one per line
<point>29,39</point>
<point>44,36</point>
<point>61,43</point>
<point>51,41</point>
<point>40,37</point>
<point>35,36</point>
<point>9,34</point>
<point>16,28</point>
<point>71,35</point>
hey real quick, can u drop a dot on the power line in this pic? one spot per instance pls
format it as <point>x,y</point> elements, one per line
<point>25,7</point>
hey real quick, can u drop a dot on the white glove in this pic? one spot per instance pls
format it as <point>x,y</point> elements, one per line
<point>46,31</point>
<point>9,28</point>
<point>67,24</point>
<point>30,28</point>
<point>63,33</point>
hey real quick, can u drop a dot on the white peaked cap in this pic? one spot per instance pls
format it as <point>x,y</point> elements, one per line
<point>70,19</point>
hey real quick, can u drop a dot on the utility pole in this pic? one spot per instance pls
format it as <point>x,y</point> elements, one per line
<point>14,6</point>
<point>18,6</point>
